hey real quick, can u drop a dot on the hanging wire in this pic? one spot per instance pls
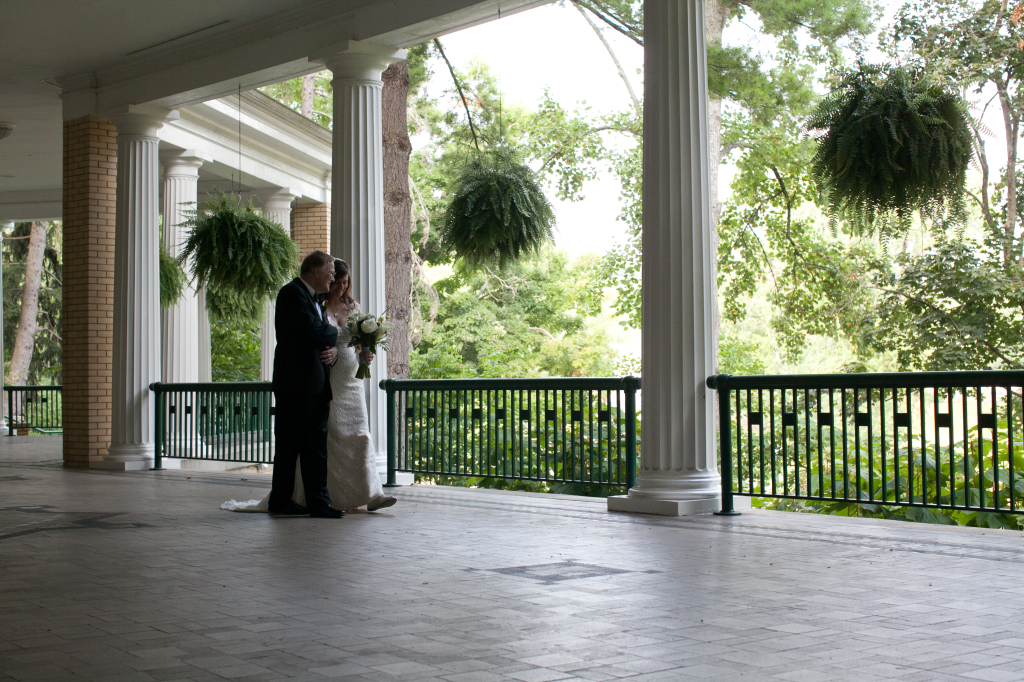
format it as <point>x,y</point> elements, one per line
<point>239,143</point>
<point>501,85</point>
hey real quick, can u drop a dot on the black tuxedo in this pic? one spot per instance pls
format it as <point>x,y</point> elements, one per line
<point>302,390</point>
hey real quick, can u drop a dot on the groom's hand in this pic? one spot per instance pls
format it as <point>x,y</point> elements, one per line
<point>329,355</point>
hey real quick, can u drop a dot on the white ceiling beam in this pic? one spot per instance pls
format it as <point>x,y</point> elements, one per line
<point>219,62</point>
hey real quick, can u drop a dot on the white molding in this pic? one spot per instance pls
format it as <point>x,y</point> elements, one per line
<point>280,147</point>
<point>25,205</point>
<point>215,63</point>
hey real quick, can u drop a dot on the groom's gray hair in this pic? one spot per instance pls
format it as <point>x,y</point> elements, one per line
<point>316,260</point>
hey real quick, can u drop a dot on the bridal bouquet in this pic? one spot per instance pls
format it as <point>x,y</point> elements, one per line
<point>369,332</point>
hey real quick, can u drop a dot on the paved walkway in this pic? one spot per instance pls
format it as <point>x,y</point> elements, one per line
<point>139,576</point>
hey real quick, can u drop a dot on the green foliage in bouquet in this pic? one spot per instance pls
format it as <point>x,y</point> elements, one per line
<point>498,212</point>
<point>893,142</point>
<point>172,278</point>
<point>234,249</point>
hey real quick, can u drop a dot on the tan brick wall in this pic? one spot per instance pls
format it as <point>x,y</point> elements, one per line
<point>90,179</point>
<point>311,227</point>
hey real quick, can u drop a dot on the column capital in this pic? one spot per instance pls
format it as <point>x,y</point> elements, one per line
<point>141,120</point>
<point>281,200</point>
<point>183,162</point>
<point>358,60</point>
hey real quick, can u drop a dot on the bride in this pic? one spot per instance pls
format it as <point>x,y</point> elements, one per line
<point>352,478</point>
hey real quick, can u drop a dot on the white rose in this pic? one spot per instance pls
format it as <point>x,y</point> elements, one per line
<point>386,327</point>
<point>369,326</point>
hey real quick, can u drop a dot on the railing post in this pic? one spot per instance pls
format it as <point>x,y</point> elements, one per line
<point>158,450</point>
<point>629,384</point>
<point>720,383</point>
<point>10,412</point>
<point>389,386</point>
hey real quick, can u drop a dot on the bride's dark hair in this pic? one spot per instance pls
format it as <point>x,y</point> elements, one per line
<point>341,268</point>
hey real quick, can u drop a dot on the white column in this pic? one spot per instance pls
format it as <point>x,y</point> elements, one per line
<point>3,396</point>
<point>180,328</point>
<point>205,354</point>
<point>357,203</point>
<point>277,208</point>
<point>136,352</point>
<point>678,473</point>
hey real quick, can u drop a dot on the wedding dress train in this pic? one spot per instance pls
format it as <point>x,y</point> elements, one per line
<point>352,478</point>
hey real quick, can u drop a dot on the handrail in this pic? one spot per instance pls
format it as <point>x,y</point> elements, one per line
<point>869,380</point>
<point>540,429</point>
<point>211,386</point>
<point>939,440</point>
<point>543,384</point>
<point>46,420</point>
<point>227,421</point>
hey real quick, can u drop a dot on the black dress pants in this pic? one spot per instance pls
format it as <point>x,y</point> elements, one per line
<point>300,432</point>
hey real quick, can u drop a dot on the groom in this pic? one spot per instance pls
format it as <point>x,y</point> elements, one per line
<point>305,352</point>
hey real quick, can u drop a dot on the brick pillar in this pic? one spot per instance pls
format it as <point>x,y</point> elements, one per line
<point>90,184</point>
<point>311,227</point>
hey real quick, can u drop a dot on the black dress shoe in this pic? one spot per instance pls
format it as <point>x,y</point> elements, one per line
<point>326,512</point>
<point>290,508</point>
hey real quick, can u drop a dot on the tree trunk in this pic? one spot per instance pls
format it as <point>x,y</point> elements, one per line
<point>307,96</point>
<point>397,215</point>
<point>716,14</point>
<point>28,321</point>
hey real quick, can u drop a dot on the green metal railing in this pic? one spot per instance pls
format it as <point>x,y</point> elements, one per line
<point>559,430</point>
<point>944,440</point>
<point>222,421</point>
<point>34,407</point>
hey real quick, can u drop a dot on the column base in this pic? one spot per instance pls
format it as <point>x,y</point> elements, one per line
<point>126,457</point>
<point>113,465</point>
<point>647,505</point>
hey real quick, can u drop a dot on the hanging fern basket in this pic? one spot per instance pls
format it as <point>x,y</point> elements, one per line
<point>235,250</point>
<point>892,142</point>
<point>498,212</point>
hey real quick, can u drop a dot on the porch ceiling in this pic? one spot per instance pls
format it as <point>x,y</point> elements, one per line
<point>108,54</point>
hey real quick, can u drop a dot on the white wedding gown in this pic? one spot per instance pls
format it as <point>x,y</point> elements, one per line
<point>352,478</point>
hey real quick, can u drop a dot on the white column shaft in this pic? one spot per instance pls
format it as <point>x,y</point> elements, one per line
<point>180,328</point>
<point>205,351</point>
<point>277,208</point>
<point>136,352</point>
<point>677,444</point>
<point>357,205</point>
<point>3,379</point>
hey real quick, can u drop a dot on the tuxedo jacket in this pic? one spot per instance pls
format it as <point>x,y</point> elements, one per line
<point>302,333</point>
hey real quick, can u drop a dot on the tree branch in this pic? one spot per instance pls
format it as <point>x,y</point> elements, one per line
<point>462,95</point>
<point>631,32</point>
<point>618,64</point>
<point>730,146</point>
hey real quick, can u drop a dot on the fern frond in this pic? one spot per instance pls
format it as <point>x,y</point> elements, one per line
<point>894,143</point>
<point>236,251</point>
<point>172,278</point>
<point>498,213</point>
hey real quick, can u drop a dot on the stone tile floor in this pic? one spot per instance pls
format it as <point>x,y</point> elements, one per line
<point>139,576</point>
